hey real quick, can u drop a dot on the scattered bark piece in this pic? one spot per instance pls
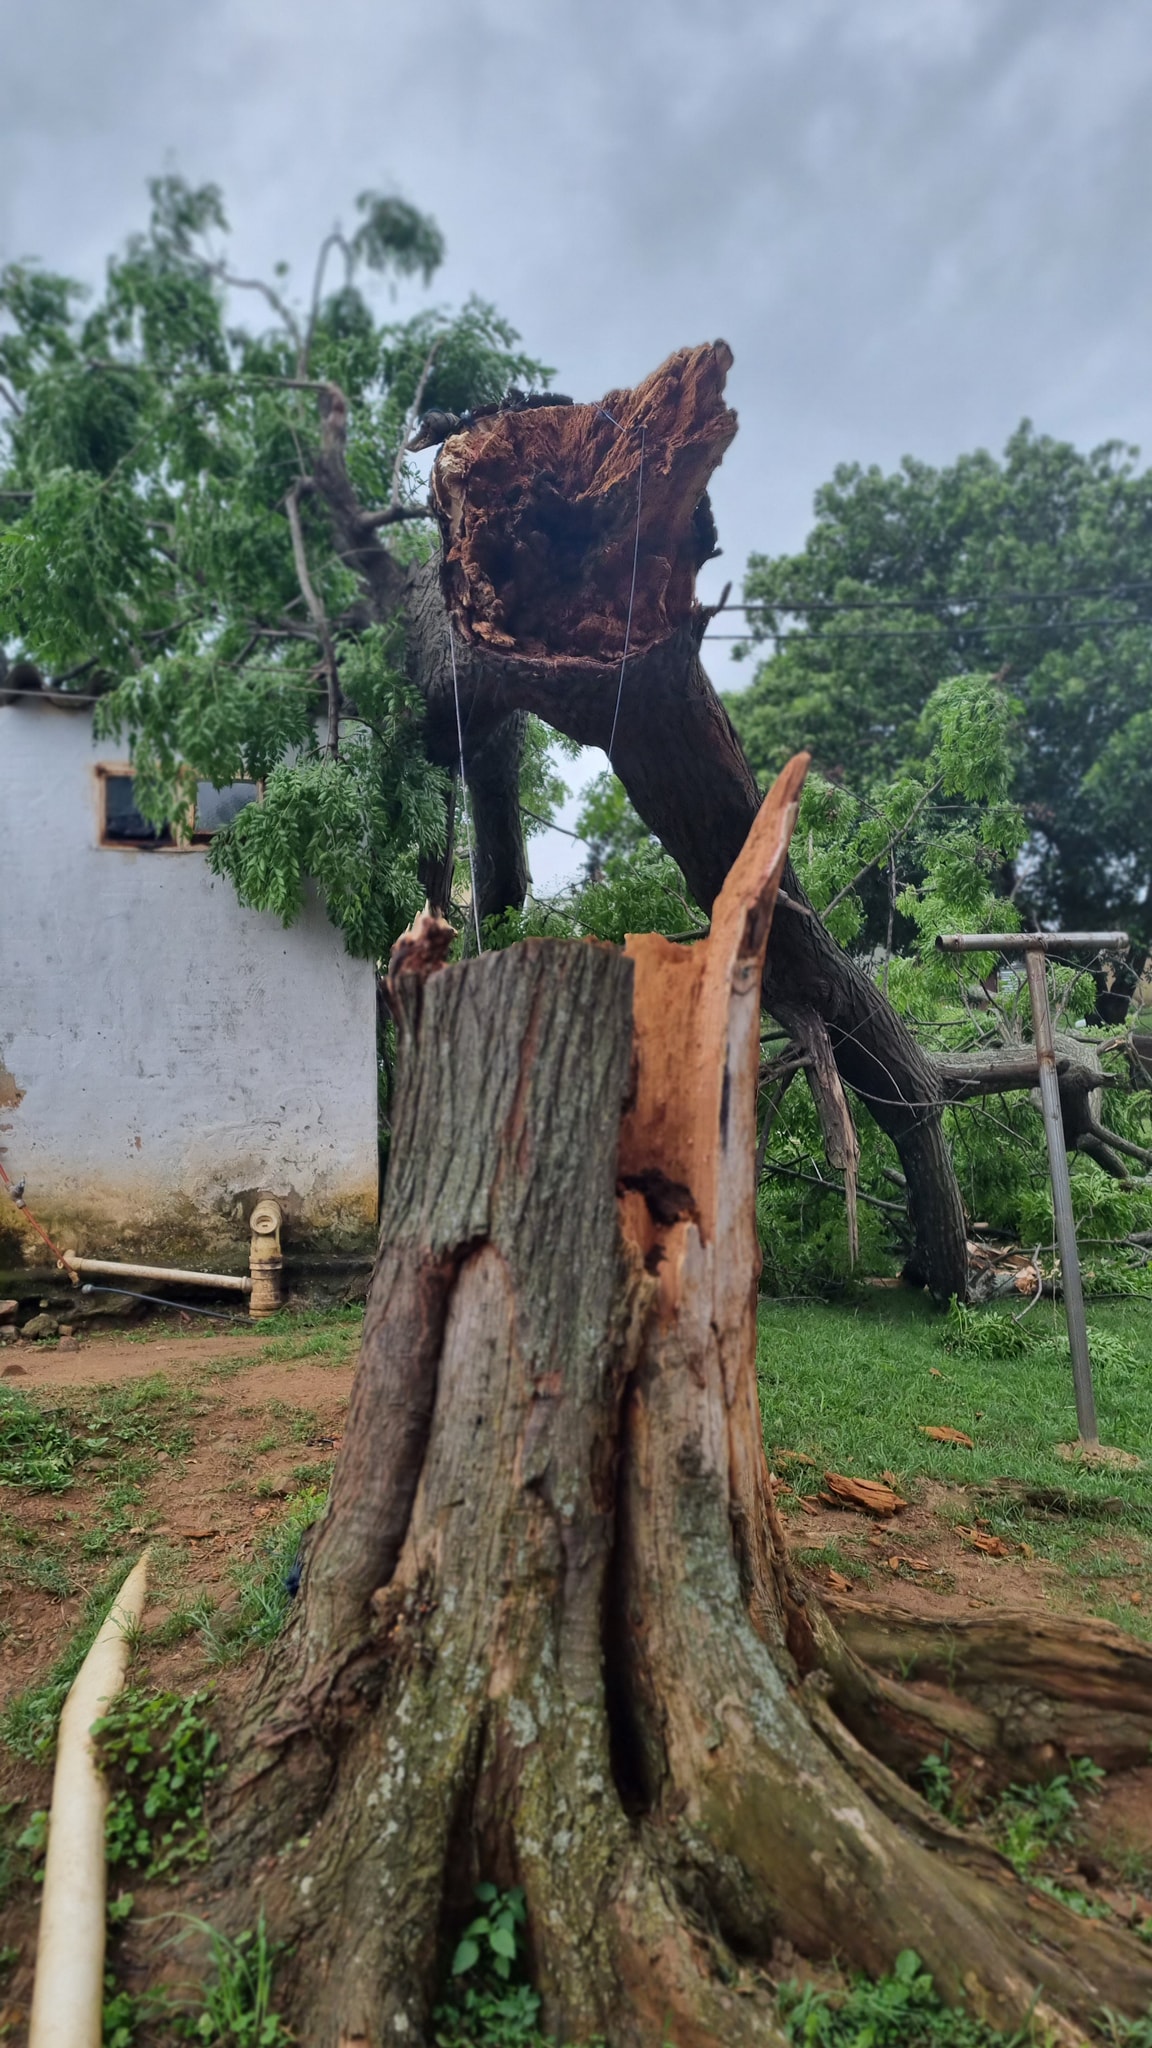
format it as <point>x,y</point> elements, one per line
<point>940,1433</point>
<point>979,1539</point>
<point>793,1458</point>
<point>837,1582</point>
<point>868,1494</point>
<point>810,1506</point>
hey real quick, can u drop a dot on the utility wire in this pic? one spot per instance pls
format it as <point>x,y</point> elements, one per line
<point>915,604</point>
<point>932,631</point>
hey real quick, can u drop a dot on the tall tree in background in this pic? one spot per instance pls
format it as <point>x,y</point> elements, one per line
<point>160,471</point>
<point>1037,567</point>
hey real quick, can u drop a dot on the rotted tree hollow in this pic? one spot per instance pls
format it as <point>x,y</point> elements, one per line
<point>548,1635</point>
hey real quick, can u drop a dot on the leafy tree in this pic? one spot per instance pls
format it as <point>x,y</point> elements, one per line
<point>924,853</point>
<point>167,551</point>
<point>1037,567</point>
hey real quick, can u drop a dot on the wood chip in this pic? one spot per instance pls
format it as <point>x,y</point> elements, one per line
<point>940,1433</point>
<point>934,1373</point>
<point>990,1546</point>
<point>914,1564</point>
<point>810,1506</point>
<point>837,1582</point>
<point>868,1494</point>
<point>793,1458</point>
<point>197,1535</point>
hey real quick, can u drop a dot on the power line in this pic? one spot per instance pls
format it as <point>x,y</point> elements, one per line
<point>913,604</point>
<point>937,628</point>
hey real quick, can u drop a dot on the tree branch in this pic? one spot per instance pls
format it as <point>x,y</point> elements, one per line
<point>333,241</point>
<point>893,843</point>
<point>410,419</point>
<point>320,617</point>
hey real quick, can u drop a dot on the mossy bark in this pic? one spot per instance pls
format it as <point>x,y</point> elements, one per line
<point>548,1634</point>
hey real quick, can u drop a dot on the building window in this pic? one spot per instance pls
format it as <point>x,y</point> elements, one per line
<point>121,823</point>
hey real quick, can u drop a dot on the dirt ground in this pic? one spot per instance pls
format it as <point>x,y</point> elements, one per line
<point>237,1426</point>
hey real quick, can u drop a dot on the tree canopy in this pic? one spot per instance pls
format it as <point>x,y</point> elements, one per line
<point>1037,568</point>
<point>169,556</point>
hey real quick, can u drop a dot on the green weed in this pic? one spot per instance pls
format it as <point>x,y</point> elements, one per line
<point>235,2008</point>
<point>37,1448</point>
<point>490,2003</point>
<point>984,1333</point>
<point>157,1752</point>
<point>264,1600</point>
<point>898,2011</point>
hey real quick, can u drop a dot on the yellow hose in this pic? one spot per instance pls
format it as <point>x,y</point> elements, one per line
<point>68,1999</point>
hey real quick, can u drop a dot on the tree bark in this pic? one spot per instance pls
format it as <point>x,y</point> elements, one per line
<point>548,1633</point>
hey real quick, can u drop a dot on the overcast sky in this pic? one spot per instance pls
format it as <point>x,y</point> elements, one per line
<point>915,221</point>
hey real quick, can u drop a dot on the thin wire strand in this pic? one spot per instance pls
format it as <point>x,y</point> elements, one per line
<point>466,807</point>
<point>632,591</point>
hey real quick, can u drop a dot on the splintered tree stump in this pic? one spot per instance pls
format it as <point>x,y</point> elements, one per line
<point>548,1634</point>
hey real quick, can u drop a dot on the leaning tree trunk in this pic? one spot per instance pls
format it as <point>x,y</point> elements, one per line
<point>548,1634</point>
<point>544,517</point>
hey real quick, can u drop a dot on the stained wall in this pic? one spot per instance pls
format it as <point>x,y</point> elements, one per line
<point>165,1054</point>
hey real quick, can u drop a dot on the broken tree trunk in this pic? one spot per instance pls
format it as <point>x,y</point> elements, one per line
<point>538,515</point>
<point>548,1633</point>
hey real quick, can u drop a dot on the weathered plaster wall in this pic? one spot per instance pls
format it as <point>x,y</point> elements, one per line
<point>164,1053</point>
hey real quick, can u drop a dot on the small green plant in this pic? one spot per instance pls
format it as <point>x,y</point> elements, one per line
<point>158,1754</point>
<point>234,2009</point>
<point>938,1784</point>
<point>264,1596</point>
<point>983,1333</point>
<point>1124,2033</point>
<point>1030,1820</point>
<point>490,2004</point>
<point>898,2011</point>
<point>37,1448</point>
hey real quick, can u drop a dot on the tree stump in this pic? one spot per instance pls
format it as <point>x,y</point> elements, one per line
<point>548,1635</point>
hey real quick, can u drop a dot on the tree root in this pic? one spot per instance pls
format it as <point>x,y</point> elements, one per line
<point>1015,1694</point>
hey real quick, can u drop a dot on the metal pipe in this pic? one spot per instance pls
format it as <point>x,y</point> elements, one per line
<point>1031,942</point>
<point>236,1283</point>
<point>1062,1194</point>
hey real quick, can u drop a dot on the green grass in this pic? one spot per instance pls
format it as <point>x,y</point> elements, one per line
<point>851,1383</point>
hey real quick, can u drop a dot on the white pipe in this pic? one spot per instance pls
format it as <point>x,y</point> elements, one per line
<point>68,1999</point>
<point>239,1283</point>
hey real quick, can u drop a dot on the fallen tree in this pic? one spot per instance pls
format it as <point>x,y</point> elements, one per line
<point>571,539</point>
<point>548,1632</point>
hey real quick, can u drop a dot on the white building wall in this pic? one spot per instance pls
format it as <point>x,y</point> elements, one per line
<point>165,1053</point>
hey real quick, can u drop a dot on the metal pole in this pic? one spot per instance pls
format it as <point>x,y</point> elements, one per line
<point>1061,1196</point>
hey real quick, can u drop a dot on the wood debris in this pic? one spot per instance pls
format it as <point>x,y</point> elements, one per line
<point>940,1433</point>
<point>980,1539</point>
<point>869,1494</point>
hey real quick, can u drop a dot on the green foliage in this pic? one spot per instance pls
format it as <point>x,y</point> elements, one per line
<point>1031,1820</point>
<point>490,2003</point>
<point>157,1752</point>
<point>37,1449</point>
<point>898,2011</point>
<point>143,486</point>
<point>354,824</point>
<point>234,2009</point>
<point>264,1600</point>
<point>889,869</point>
<point>984,1333</point>
<point>909,580</point>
